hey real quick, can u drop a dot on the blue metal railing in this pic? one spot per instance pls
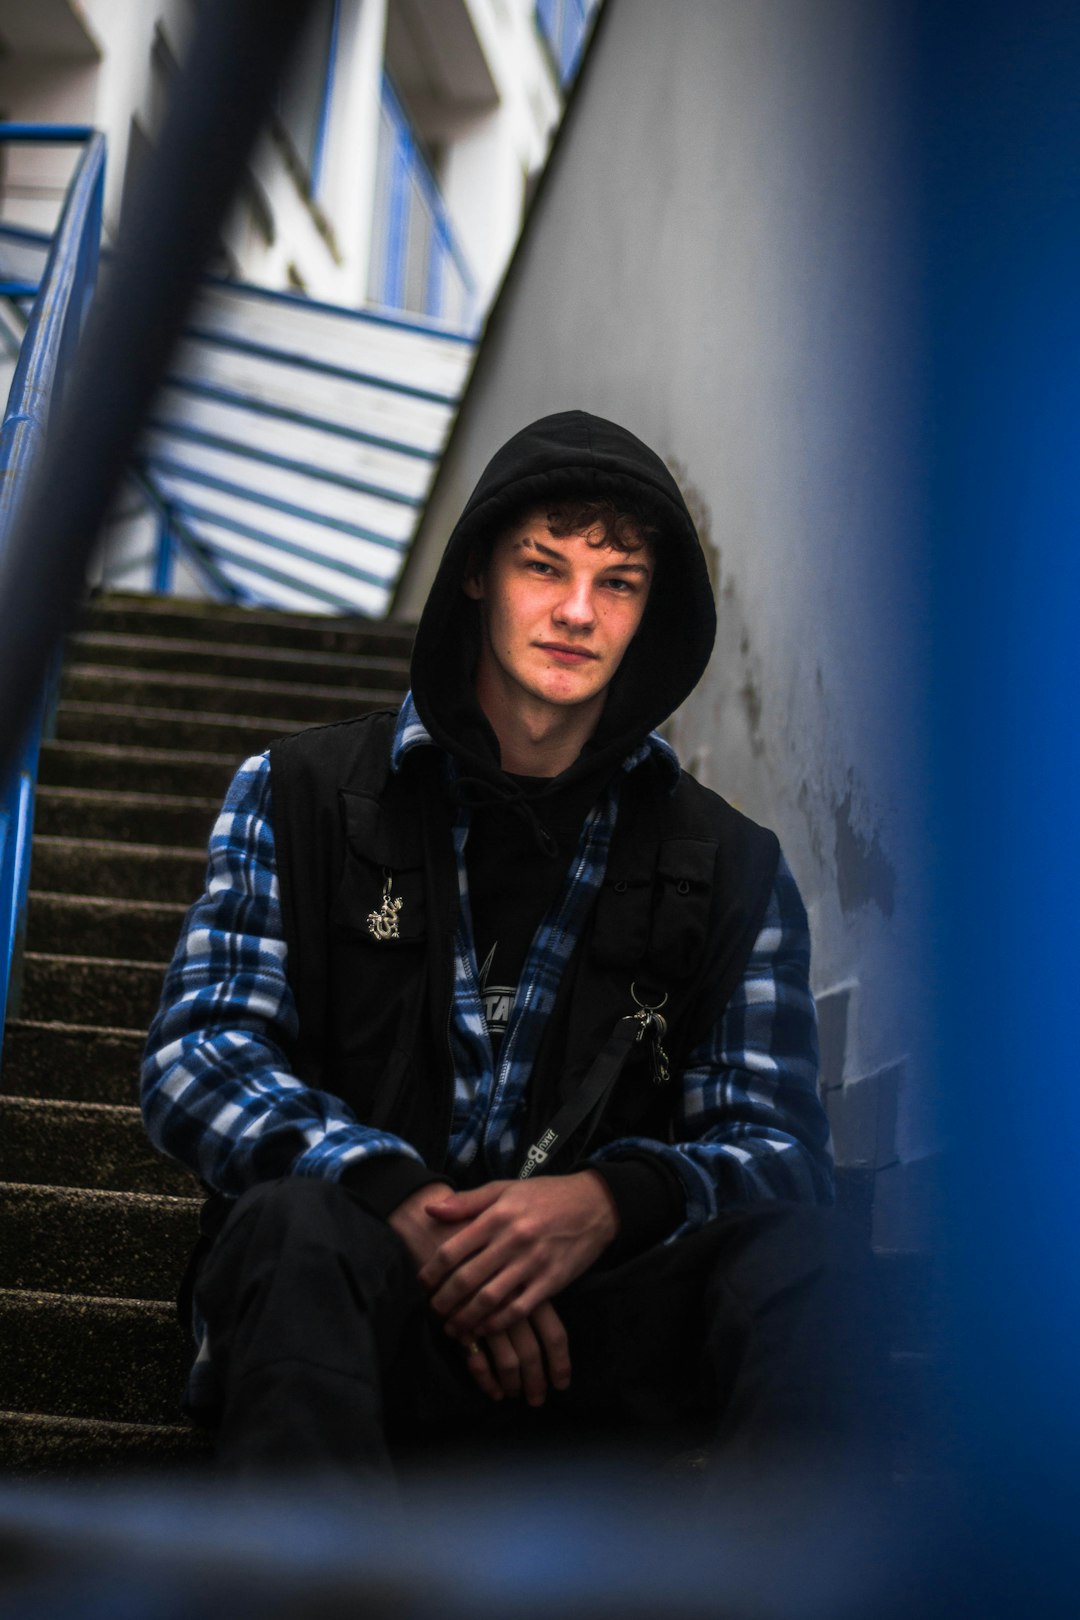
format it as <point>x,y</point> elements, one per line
<point>417,263</point>
<point>563,25</point>
<point>62,299</point>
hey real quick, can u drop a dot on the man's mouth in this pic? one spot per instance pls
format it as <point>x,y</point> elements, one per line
<point>559,649</point>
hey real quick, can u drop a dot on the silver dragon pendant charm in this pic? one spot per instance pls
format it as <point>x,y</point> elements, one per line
<point>383,924</point>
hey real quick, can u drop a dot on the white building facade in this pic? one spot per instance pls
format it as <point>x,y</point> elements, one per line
<point>393,172</point>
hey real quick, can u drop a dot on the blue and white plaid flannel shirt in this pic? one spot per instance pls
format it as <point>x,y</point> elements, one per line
<point>218,1094</point>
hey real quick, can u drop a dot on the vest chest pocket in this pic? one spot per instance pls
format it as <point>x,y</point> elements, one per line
<point>657,923</point>
<point>380,893</point>
<point>680,920</point>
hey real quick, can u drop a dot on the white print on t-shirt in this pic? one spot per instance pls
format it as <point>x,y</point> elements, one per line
<point>497,998</point>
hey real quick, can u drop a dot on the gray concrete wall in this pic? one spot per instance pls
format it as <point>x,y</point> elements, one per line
<point>716,259</point>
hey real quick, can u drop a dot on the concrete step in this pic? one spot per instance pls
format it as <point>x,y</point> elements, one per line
<point>88,989</point>
<point>138,818</point>
<point>311,666</point>
<point>176,729</point>
<point>107,766</point>
<point>62,1240</point>
<point>80,1144</point>
<point>251,627</point>
<point>206,694</point>
<point>84,925</point>
<point>117,871</point>
<point>42,1058</point>
<point>125,1359</point>
<point>61,1447</point>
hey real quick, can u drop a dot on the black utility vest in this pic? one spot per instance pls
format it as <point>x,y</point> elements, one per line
<point>687,883</point>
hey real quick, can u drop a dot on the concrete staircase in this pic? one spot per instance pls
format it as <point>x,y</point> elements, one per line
<point>160,701</point>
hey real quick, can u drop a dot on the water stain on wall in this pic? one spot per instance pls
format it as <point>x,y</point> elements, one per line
<point>864,873</point>
<point>699,510</point>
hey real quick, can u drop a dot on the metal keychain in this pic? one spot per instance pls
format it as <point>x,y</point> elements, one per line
<point>655,1025</point>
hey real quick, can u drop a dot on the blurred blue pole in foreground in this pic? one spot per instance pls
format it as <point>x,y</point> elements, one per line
<point>996,127</point>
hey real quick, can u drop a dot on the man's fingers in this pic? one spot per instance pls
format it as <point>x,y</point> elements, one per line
<point>494,1297</point>
<point>533,1378</point>
<point>524,1359</point>
<point>547,1324</point>
<point>507,1363</point>
<point>463,1206</point>
<point>484,1272</point>
<point>501,1320</point>
<point>477,1362</point>
<point>449,1256</point>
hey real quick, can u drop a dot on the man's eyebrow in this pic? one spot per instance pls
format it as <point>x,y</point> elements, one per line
<point>559,556</point>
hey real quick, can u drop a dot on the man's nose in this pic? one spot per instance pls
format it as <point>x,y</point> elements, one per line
<point>575,606</point>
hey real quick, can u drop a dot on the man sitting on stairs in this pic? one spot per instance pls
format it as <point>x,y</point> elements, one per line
<point>492,1035</point>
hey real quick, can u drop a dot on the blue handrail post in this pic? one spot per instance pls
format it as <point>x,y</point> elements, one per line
<point>166,553</point>
<point>16,832</point>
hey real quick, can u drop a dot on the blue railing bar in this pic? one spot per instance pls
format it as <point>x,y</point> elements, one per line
<point>284,413</point>
<point>195,514</point>
<point>342,604</point>
<point>19,289</point>
<point>322,368</point>
<point>16,830</point>
<point>428,185</point>
<point>179,533</point>
<point>376,317</point>
<point>178,469</point>
<point>318,157</point>
<point>197,557</point>
<point>271,458</point>
<point>289,548</point>
<point>48,134</point>
<point>292,548</point>
<point>24,424</point>
<point>23,233</point>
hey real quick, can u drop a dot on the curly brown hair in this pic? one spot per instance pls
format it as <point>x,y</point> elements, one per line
<point>622,528</point>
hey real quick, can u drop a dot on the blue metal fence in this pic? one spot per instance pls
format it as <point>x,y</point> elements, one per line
<point>416,261</point>
<point>62,299</point>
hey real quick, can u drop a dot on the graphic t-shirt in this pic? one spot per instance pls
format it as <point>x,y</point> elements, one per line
<point>514,882</point>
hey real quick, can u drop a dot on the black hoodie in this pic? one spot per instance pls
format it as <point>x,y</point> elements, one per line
<point>575,454</point>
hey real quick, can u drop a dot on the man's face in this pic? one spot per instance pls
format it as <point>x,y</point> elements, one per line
<point>558,615</point>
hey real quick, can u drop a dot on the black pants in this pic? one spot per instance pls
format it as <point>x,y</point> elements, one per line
<point>759,1332</point>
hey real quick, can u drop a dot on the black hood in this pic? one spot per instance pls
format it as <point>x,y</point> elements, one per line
<point>571,453</point>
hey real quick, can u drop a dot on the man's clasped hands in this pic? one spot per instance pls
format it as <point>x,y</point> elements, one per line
<point>491,1261</point>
